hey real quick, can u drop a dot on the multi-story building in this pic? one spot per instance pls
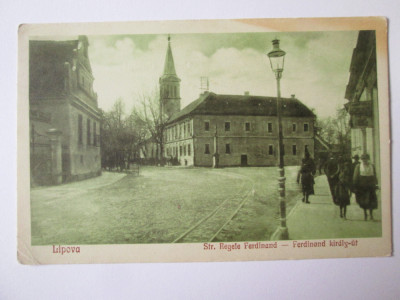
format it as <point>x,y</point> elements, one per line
<point>63,112</point>
<point>239,130</point>
<point>362,93</point>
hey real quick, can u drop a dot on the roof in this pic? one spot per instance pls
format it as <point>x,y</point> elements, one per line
<point>363,53</point>
<point>46,64</point>
<point>47,60</point>
<point>244,105</point>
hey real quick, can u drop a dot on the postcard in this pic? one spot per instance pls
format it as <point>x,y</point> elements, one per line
<point>203,140</point>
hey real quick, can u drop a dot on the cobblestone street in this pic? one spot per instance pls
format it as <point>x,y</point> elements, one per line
<point>158,206</point>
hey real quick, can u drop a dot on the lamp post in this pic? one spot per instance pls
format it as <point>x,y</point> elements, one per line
<point>277,60</point>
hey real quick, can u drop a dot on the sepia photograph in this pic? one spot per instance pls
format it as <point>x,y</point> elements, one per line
<point>229,141</point>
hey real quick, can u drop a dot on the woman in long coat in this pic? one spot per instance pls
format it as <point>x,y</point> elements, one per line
<point>365,184</point>
<point>306,173</point>
<point>343,187</point>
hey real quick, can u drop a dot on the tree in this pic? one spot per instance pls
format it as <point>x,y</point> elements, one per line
<point>148,112</point>
<point>336,130</point>
<point>122,136</point>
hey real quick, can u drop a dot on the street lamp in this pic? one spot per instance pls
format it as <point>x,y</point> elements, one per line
<point>277,60</point>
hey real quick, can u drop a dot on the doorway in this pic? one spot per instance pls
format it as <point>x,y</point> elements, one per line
<point>243,160</point>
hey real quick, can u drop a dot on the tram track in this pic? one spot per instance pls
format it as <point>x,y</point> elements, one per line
<point>208,228</point>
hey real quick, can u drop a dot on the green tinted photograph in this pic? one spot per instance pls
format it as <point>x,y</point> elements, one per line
<point>204,138</point>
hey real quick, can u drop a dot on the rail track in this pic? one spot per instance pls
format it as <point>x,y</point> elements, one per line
<point>208,228</point>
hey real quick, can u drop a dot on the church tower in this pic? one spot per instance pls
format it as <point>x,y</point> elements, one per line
<point>170,98</point>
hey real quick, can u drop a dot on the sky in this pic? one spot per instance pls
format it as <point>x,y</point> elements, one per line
<point>316,66</point>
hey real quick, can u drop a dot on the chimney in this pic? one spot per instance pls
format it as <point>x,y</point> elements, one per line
<point>246,93</point>
<point>293,96</point>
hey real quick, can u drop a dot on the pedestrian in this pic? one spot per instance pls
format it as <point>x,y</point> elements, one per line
<point>331,170</point>
<point>365,184</point>
<point>342,189</point>
<point>306,176</point>
<point>356,161</point>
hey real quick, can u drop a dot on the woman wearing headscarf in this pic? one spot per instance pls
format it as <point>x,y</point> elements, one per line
<point>365,184</point>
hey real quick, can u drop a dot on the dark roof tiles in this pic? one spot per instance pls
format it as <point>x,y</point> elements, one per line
<point>246,105</point>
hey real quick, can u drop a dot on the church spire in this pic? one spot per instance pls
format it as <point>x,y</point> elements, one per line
<point>169,66</point>
<point>170,98</point>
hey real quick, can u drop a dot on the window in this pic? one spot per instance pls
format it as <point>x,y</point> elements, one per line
<point>184,129</point>
<point>207,149</point>
<point>227,126</point>
<point>207,126</point>
<point>294,127</point>
<point>228,148</point>
<point>188,128</point>
<point>270,150</point>
<point>269,127</point>
<point>180,150</point>
<point>184,150</point>
<point>305,127</point>
<point>80,126</point>
<point>88,131</point>
<point>94,133</point>
<point>294,149</point>
<point>247,126</point>
<point>189,150</point>
<point>305,148</point>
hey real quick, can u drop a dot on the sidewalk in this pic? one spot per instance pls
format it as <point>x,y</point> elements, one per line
<point>321,218</point>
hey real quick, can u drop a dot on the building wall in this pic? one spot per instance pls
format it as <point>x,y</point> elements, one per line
<point>257,140</point>
<point>179,142</point>
<point>84,156</point>
<point>362,87</point>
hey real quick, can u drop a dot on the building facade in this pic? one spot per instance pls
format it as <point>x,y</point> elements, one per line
<point>231,130</point>
<point>236,130</point>
<point>362,93</point>
<point>61,92</point>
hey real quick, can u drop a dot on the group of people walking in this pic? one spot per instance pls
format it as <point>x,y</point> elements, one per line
<point>344,178</point>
